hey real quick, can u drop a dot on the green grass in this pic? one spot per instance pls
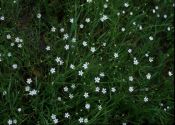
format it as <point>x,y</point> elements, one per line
<point>118,107</point>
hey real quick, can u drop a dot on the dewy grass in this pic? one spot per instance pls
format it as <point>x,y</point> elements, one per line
<point>94,62</point>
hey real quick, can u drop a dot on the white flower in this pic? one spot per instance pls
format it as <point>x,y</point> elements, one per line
<point>71,20</point>
<point>9,54</point>
<point>85,66</point>
<point>66,47</point>
<point>72,66</point>
<point>102,74</point>
<point>131,89</point>
<point>62,30</point>
<point>71,96</point>
<point>136,62</point>
<point>84,43</point>
<point>129,50</point>
<point>38,15</point>
<point>168,28</point>
<point>145,99</point>
<point>8,36</point>
<point>104,90</point>
<point>105,6</point>
<point>87,20</point>
<point>27,88</point>
<point>116,55</point>
<point>48,48</point>
<point>131,13</point>
<point>151,59</point>
<point>80,73</point>
<point>53,29</point>
<point>14,66</point>
<point>53,116</point>
<point>4,92</point>
<point>126,4</point>
<point>123,29</point>
<point>93,49</point>
<point>55,121</point>
<point>104,18</point>
<point>89,1</point>
<point>59,98</point>
<point>131,78</point>
<point>58,59</point>
<point>104,44</point>
<point>2,18</point>
<point>14,121</point>
<point>165,16</point>
<point>73,40</point>
<point>12,44</point>
<point>86,95</point>
<point>66,115</point>
<point>156,7</point>
<point>87,106</point>
<point>170,73</point>
<point>85,120</point>
<point>33,92</point>
<point>73,86</point>
<point>148,76</point>
<point>99,107</point>
<point>118,14</point>
<point>52,70</point>
<point>29,80</point>
<point>81,26</point>
<point>113,89</point>
<point>66,89</point>
<point>19,110</point>
<point>10,122</point>
<point>147,55</point>
<point>97,79</point>
<point>65,36</point>
<point>97,89</point>
<point>81,120</point>
<point>151,38</point>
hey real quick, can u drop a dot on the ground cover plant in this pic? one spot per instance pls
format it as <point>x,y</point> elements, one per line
<point>94,62</point>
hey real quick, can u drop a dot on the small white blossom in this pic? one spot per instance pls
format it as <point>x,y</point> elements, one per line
<point>151,38</point>
<point>81,120</point>
<point>145,99</point>
<point>87,106</point>
<point>52,70</point>
<point>14,66</point>
<point>113,89</point>
<point>66,115</point>
<point>89,1</point>
<point>86,95</point>
<point>104,18</point>
<point>53,29</point>
<point>170,73</point>
<point>93,49</point>
<point>38,15</point>
<point>104,90</point>
<point>148,76</point>
<point>131,89</point>
<point>116,55</point>
<point>80,73</point>
<point>29,80</point>
<point>97,89</point>
<point>66,47</point>
<point>131,78</point>
<point>84,43</point>
<point>97,79</point>
<point>87,20</point>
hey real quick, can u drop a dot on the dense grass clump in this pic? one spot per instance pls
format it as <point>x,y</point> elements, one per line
<point>94,62</point>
